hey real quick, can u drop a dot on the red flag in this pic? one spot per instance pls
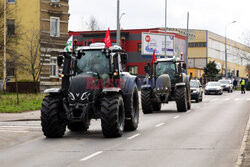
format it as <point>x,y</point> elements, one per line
<point>107,39</point>
<point>154,58</point>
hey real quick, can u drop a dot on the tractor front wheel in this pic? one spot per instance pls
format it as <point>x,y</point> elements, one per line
<point>112,116</point>
<point>52,121</point>
<point>146,101</point>
<point>181,99</point>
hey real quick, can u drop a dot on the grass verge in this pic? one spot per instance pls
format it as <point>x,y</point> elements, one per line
<point>27,102</point>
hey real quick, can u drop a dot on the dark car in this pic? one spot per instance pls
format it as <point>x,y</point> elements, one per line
<point>196,90</point>
<point>226,85</point>
<point>213,88</point>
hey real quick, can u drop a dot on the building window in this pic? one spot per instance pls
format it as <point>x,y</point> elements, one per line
<point>139,47</point>
<point>133,69</point>
<point>10,69</point>
<point>11,1</point>
<point>55,26</point>
<point>55,0</point>
<point>53,67</point>
<point>197,44</point>
<point>11,27</point>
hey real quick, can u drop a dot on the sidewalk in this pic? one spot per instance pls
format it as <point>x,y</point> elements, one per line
<point>246,153</point>
<point>29,115</point>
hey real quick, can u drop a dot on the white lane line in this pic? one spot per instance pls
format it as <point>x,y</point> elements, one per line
<point>176,117</point>
<point>20,127</point>
<point>134,136</point>
<point>14,131</point>
<point>189,111</point>
<point>237,99</point>
<point>248,99</point>
<point>91,156</point>
<point>227,99</point>
<point>158,125</point>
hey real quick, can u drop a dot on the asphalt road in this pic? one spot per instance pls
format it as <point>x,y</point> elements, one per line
<point>209,135</point>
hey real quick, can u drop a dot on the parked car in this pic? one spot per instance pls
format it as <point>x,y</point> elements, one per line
<point>213,88</point>
<point>196,90</point>
<point>226,85</point>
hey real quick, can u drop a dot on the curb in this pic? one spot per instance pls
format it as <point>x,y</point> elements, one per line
<point>243,146</point>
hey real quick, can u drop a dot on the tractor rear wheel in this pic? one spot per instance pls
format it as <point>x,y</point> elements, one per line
<point>78,126</point>
<point>112,116</point>
<point>146,101</point>
<point>52,121</point>
<point>131,123</point>
<point>181,99</point>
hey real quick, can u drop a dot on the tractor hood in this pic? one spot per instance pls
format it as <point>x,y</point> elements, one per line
<point>80,88</point>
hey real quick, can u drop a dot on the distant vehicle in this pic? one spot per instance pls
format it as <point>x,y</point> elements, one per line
<point>213,88</point>
<point>226,85</point>
<point>196,90</point>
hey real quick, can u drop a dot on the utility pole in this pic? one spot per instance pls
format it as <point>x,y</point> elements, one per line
<point>226,74</point>
<point>118,24</point>
<point>165,42</point>
<point>4,51</point>
<point>186,57</point>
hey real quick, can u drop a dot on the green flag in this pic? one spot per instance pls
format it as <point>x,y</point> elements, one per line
<point>69,45</point>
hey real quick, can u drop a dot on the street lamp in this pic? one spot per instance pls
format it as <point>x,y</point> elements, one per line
<point>118,24</point>
<point>165,49</point>
<point>4,56</point>
<point>226,75</point>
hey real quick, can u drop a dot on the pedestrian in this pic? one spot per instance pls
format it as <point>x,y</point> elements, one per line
<point>242,83</point>
<point>235,82</point>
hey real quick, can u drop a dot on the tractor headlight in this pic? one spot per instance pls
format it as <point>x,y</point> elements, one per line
<point>71,96</point>
<point>85,96</point>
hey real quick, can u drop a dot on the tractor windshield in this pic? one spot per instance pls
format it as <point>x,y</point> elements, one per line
<point>93,61</point>
<point>166,68</point>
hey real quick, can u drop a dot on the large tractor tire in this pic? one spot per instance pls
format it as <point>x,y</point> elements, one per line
<point>52,121</point>
<point>112,116</point>
<point>156,106</point>
<point>131,122</point>
<point>181,99</point>
<point>78,126</point>
<point>146,101</point>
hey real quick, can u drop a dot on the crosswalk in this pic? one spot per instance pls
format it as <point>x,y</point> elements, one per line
<point>20,127</point>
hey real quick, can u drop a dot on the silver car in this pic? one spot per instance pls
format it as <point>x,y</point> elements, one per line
<point>213,88</point>
<point>226,85</point>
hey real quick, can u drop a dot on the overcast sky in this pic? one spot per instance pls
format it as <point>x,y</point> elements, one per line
<point>210,15</point>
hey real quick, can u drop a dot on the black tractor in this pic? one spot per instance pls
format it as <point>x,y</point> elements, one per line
<point>165,81</point>
<point>93,86</point>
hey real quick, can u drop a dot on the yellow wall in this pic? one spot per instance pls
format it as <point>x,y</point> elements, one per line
<point>27,19</point>
<point>196,72</point>
<point>242,69</point>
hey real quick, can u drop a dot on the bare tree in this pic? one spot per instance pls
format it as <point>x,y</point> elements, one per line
<point>93,24</point>
<point>32,56</point>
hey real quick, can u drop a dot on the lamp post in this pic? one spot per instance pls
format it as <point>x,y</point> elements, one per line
<point>4,52</point>
<point>118,24</point>
<point>165,45</point>
<point>226,75</point>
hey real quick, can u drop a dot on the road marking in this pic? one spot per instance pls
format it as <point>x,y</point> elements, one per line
<point>91,156</point>
<point>134,136</point>
<point>20,127</point>
<point>158,125</point>
<point>176,117</point>
<point>189,111</point>
<point>248,99</point>
<point>237,99</point>
<point>227,99</point>
<point>14,131</point>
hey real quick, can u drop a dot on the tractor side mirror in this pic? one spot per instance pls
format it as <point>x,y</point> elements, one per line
<point>146,69</point>
<point>124,58</point>
<point>80,54</point>
<point>59,61</point>
<point>184,66</point>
